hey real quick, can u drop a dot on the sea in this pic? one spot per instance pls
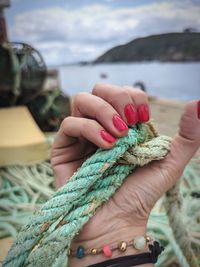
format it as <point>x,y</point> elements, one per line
<point>178,81</point>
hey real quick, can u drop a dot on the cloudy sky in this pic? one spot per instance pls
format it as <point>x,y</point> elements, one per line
<point>67,31</point>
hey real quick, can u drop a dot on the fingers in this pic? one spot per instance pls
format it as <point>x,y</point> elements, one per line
<point>91,106</point>
<point>140,99</point>
<point>103,116</point>
<point>73,128</point>
<point>113,107</point>
<point>130,103</point>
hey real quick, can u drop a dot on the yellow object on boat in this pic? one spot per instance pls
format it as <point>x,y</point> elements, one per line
<point>21,140</point>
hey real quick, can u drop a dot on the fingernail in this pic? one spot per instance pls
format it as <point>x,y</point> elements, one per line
<point>131,113</point>
<point>119,124</point>
<point>143,113</point>
<point>198,109</point>
<point>107,137</point>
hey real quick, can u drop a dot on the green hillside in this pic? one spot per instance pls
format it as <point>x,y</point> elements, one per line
<point>163,47</point>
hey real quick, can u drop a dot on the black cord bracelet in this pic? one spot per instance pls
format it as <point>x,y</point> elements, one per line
<point>134,260</point>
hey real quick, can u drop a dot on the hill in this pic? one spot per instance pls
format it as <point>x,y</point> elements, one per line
<point>163,47</point>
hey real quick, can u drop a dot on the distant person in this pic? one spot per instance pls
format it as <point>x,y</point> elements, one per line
<point>104,75</point>
<point>140,85</point>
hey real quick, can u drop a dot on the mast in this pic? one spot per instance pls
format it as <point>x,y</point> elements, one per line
<point>3,31</point>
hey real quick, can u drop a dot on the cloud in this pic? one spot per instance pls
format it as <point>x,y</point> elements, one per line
<point>67,35</point>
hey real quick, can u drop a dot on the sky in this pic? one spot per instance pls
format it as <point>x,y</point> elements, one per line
<point>67,31</point>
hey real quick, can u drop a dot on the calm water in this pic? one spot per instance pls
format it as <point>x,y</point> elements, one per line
<point>166,80</point>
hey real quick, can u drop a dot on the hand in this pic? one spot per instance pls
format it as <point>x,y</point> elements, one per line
<point>97,120</point>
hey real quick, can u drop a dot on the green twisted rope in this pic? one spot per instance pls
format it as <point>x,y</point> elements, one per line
<point>47,237</point>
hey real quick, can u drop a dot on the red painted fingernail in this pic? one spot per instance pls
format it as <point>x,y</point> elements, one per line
<point>107,137</point>
<point>143,113</point>
<point>198,109</point>
<point>119,124</point>
<point>131,113</point>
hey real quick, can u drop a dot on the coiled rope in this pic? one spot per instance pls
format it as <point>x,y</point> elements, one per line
<point>173,206</point>
<point>45,240</point>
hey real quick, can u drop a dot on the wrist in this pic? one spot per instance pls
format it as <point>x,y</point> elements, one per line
<point>111,238</point>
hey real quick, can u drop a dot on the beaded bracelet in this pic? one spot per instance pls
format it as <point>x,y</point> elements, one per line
<point>138,242</point>
<point>155,249</point>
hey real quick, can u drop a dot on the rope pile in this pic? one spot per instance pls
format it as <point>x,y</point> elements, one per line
<point>22,190</point>
<point>173,206</point>
<point>175,221</point>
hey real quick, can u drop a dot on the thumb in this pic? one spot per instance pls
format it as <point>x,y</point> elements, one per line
<point>187,140</point>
